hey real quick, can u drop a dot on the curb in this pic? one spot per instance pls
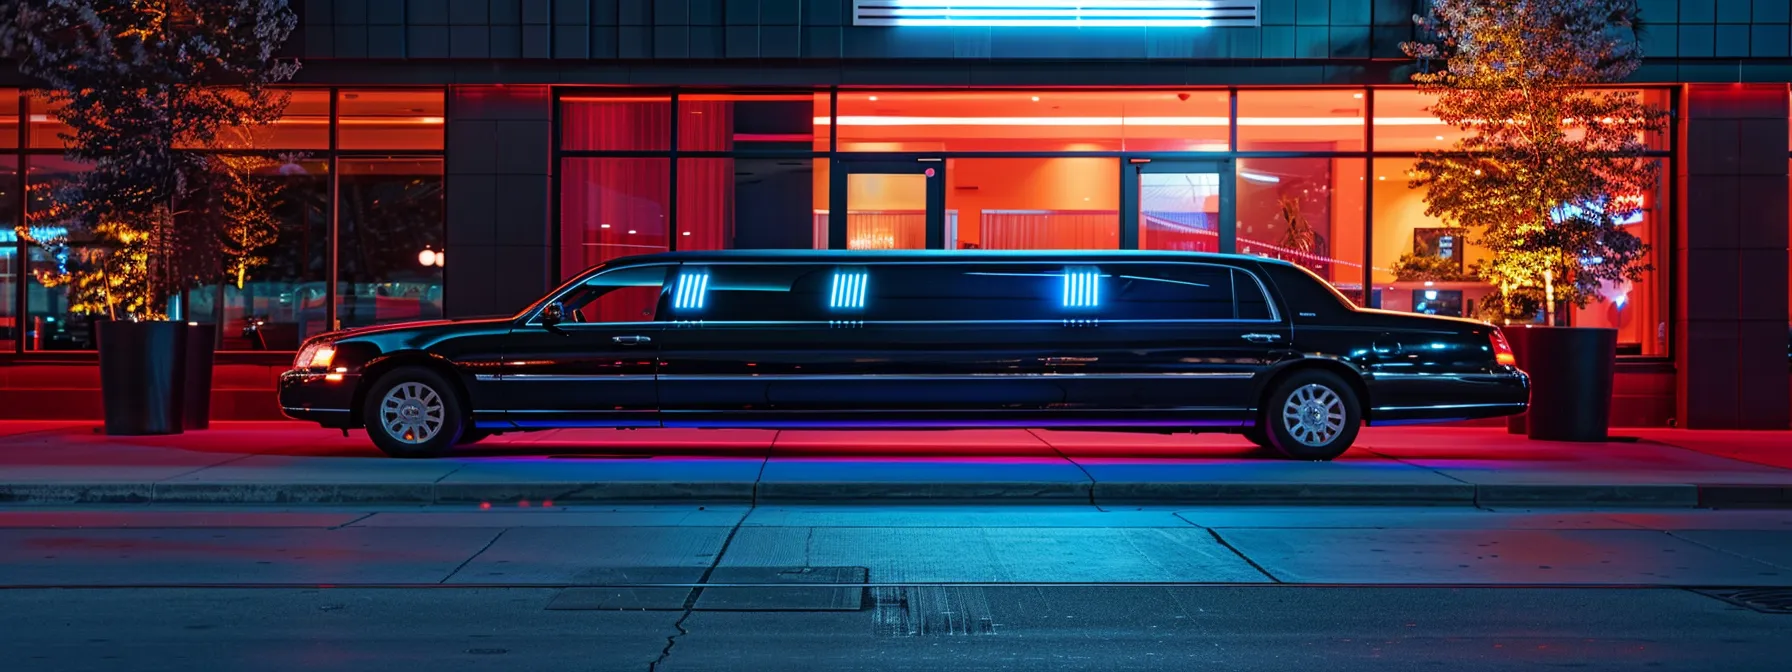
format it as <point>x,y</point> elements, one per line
<point>1057,492</point>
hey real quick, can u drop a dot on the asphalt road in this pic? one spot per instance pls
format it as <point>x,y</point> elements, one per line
<point>1044,588</point>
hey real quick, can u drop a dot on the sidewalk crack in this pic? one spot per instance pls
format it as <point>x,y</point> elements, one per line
<point>690,600</point>
<point>463,564</point>
<point>1724,551</point>
<point>1036,437</point>
<point>1253,563</point>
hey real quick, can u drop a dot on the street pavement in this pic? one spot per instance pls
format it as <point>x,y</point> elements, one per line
<point>887,587</point>
<point>292,463</point>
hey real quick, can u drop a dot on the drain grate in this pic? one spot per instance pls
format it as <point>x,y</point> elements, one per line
<point>1764,600</point>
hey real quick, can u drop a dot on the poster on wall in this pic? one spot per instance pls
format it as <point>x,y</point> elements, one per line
<point>1438,242</point>
<point>1058,13</point>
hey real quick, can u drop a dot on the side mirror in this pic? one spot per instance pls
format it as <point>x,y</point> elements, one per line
<point>552,314</point>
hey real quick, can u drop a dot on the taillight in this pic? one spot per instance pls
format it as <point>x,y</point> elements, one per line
<point>1502,351</point>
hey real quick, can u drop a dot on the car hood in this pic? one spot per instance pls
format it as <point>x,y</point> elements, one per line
<point>415,325</point>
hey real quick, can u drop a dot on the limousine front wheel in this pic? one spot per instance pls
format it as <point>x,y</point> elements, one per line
<point>1312,415</point>
<point>413,412</point>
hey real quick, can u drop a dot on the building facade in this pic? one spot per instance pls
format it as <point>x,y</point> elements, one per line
<point>460,157</point>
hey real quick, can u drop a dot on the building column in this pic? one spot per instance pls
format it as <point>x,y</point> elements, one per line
<point>1731,263</point>
<point>500,240</point>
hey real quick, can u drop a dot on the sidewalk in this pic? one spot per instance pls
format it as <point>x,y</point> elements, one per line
<point>276,462</point>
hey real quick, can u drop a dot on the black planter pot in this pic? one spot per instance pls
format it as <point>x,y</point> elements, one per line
<point>1571,382</point>
<point>142,376</point>
<point>196,402</point>
<point>1518,336</point>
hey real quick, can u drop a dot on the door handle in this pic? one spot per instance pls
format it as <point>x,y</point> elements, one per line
<point>631,340</point>
<point>1262,338</point>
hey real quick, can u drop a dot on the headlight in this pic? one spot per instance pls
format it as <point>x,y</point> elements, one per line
<point>315,356</point>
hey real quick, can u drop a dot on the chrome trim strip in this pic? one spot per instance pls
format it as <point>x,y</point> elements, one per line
<point>314,410</point>
<point>695,377</point>
<point>1440,407</point>
<point>559,378</point>
<point>1057,412</point>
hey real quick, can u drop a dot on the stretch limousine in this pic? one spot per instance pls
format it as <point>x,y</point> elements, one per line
<point>1117,341</point>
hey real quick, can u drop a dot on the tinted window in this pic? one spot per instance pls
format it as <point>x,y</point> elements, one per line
<point>1168,292</point>
<point>966,292</point>
<point>1252,303</point>
<point>621,295</point>
<point>751,292</point>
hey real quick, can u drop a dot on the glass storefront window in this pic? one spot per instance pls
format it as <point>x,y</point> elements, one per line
<point>760,203</point>
<point>612,207</point>
<point>45,130</point>
<point>9,119</point>
<point>390,248</point>
<point>1043,121</point>
<point>1420,264</point>
<point>11,267</point>
<point>50,324</point>
<point>1404,123</point>
<point>1308,211</point>
<point>1303,120</point>
<point>280,300</point>
<point>615,123</point>
<point>395,120</point>
<point>304,124</point>
<point>755,122</point>
<point>1059,203</point>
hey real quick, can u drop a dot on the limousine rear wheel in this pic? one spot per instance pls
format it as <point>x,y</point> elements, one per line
<point>413,412</point>
<point>1312,415</point>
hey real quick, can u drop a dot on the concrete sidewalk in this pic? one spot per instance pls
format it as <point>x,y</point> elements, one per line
<point>71,462</point>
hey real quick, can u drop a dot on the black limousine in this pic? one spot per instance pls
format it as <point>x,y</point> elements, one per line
<point>1116,341</point>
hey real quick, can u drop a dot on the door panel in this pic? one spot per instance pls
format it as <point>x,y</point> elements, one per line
<point>887,205</point>
<point>1183,206</point>
<point>1183,339</point>
<point>597,367</point>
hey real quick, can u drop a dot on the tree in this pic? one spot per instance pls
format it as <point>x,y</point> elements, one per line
<point>148,87</point>
<point>1551,165</point>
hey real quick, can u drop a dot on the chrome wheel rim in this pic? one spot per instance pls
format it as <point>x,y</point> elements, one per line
<point>1313,415</point>
<point>412,413</point>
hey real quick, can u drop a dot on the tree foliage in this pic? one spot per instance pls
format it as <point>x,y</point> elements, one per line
<point>147,89</point>
<point>1551,164</point>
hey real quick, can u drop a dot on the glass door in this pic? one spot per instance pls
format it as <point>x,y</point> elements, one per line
<point>1183,206</point>
<point>887,205</point>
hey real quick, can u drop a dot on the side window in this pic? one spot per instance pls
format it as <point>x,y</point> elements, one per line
<point>966,292</point>
<point>621,295</point>
<point>751,292</point>
<point>1253,304</point>
<point>1170,292</point>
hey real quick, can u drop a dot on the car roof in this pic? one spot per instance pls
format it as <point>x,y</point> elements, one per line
<point>867,256</point>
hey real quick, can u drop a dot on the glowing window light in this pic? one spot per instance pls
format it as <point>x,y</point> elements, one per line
<point>1082,287</point>
<point>693,286</point>
<point>848,291</point>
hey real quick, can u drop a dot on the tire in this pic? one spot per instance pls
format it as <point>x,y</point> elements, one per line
<point>1311,415</point>
<point>471,436</point>
<point>405,404</point>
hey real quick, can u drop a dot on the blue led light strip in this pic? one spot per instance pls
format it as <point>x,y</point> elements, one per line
<point>693,286</point>
<point>1064,13</point>
<point>848,292</point>
<point>1082,287</point>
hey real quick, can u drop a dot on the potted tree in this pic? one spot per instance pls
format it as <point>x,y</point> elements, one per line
<point>1548,168</point>
<point>148,90</point>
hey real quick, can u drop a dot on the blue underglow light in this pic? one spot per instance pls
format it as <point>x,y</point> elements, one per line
<point>848,291</point>
<point>693,286</point>
<point>1082,287</point>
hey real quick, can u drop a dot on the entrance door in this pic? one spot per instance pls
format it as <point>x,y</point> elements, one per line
<point>1181,206</point>
<point>887,205</point>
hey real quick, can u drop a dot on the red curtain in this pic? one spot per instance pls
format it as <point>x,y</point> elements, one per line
<point>705,186</point>
<point>1050,230</point>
